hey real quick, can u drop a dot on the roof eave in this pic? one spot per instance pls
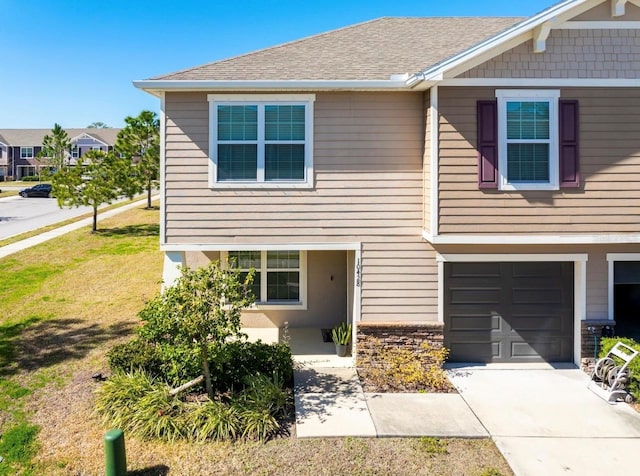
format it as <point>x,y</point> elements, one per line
<point>154,86</point>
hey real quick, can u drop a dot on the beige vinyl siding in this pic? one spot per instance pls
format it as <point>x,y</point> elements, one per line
<point>426,164</point>
<point>399,281</point>
<point>368,188</point>
<point>594,53</point>
<point>368,176</point>
<point>607,202</point>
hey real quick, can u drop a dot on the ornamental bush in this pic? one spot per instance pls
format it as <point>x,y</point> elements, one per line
<point>193,329</point>
<point>141,405</point>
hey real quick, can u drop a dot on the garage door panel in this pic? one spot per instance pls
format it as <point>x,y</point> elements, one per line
<point>471,351</point>
<point>537,323</point>
<point>481,322</point>
<point>476,270</point>
<point>536,296</point>
<point>471,296</point>
<point>523,315</point>
<point>538,269</point>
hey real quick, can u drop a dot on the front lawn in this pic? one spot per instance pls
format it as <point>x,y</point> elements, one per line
<point>65,303</point>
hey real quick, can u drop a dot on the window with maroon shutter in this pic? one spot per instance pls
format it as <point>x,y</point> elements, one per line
<point>487,144</point>
<point>568,142</point>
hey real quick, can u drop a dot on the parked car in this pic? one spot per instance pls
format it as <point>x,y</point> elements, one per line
<point>40,190</point>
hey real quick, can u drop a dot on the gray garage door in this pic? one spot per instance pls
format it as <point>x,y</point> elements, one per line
<point>509,312</point>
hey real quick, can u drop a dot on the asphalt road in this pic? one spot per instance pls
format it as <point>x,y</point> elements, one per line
<point>19,215</point>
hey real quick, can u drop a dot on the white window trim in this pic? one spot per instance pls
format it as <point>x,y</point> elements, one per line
<point>26,156</point>
<point>96,147</point>
<point>552,96</point>
<point>306,100</point>
<point>265,306</point>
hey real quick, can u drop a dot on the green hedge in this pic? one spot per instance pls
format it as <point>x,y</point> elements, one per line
<point>607,343</point>
<point>30,178</point>
<point>230,364</point>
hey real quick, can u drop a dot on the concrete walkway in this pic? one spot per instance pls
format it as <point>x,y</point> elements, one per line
<point>548,422</point>
<point>49,235</point>
<point>330,402</point>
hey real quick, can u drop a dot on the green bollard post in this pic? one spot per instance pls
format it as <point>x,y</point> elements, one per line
<point>116,458</point>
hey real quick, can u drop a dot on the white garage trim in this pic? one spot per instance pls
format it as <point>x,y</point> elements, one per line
<point>579,277</point>
<point>611,260</point>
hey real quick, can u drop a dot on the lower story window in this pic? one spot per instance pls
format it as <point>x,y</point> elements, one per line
<point>278,274</point>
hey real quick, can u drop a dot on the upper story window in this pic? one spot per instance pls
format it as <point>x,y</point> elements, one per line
<point>74,152</point>
<point>528,139</point>
<point>279,278</point>
<point>96,147</point>
<point>261,141</point>
<point>26,152</point>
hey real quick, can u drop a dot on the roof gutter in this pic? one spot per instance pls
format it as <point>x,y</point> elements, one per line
<point>154,86</point>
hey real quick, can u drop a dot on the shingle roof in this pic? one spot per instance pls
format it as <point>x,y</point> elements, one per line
<point>373,50</point>
<point>31,137</point>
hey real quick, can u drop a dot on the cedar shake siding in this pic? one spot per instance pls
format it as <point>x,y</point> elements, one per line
<point>368,188</point>
<point>607,200</point>
<point>570,54</point>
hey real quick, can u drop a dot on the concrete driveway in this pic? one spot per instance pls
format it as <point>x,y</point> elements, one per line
<point>546,421</point>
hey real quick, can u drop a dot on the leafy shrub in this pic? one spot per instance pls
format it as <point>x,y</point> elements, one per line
<point>231,364</point>
<point>607,343</point>
<point>135,355</point>
<point>404,369</point>
<point>30,178</point>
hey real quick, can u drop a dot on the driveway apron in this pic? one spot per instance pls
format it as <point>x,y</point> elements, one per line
<point>548,422</point>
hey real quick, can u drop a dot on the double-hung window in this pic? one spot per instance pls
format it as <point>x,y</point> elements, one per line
<point>279,275</point>
<point>528,139</point>
<point>26,152</point>
<point>261,141</point>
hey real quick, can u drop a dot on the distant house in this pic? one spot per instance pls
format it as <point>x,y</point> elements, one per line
<point>19,148</point>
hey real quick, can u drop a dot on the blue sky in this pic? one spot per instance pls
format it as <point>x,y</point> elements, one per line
<point>72,61</point>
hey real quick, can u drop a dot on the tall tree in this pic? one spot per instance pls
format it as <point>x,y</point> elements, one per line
<point>55,148</point>
<point>139,141</point>
<point>99,179</point>
<point>97,125</point>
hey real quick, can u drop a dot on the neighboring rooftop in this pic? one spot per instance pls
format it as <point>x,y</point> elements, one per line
<point>30,137</point>
<point>373,50</point>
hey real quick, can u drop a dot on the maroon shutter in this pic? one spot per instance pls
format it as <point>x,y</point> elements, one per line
<point>569,153</point>
<point>487,144</point>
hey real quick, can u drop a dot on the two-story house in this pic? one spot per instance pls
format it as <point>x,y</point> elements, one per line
<point>471,179</point>
<point>19,148</point>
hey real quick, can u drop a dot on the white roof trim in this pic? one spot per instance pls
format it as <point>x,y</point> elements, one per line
<point>438,71</point>
<point>258,247</point>
<point>85,134</point>
<point>261,85</point>
<point>531,239</point>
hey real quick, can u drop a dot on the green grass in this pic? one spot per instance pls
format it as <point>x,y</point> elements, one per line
<point>18,446</point>
<point>61,301</point>
<point>8,193</point>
